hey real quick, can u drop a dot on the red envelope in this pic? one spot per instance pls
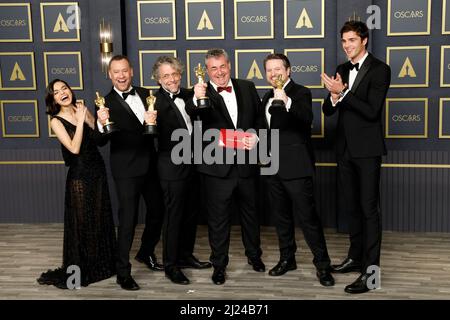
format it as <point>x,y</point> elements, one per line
<point>230,138</point>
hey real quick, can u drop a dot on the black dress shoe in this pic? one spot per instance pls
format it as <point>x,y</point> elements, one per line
<point>359,286</point>
<point>257,264</point>
<point>282,267</point>
<point>325,277</point>
<point>348,265</point>
<point>150,261</point>
<point>127,283</point>
<point>193,262</point>
<point>176,275</point>
<point>218,276</point>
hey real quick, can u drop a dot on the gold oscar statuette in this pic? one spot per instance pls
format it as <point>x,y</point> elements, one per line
<point>108,127</point>
<point>202,102</point>
<point>279,83</point>
<point>150,128</point>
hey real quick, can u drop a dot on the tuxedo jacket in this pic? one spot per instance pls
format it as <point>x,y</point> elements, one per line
<point>132,153</point>
<point>170,119</point>
<point>296,155</point>
<point>217,117</point>
<point>359,124</point>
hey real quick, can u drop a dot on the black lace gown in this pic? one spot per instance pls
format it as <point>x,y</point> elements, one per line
<point>89,233</point>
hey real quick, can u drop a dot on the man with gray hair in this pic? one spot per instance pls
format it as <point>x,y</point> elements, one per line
<point>235,104</point>
<point>178,181</point>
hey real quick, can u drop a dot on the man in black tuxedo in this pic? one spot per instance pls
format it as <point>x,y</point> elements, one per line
<point>288,110</point>
<point>178,180</point>
<point>357,93</point>
<point>133,166</point>
<point>235,105</point>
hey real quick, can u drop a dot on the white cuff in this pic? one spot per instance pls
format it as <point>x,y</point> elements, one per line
<point>288,104</point>
<point>99,126</point>
<point>340,99</point>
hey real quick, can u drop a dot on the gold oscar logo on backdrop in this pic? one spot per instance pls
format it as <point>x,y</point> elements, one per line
<point>17,73</point>
<point>60,24</point>
<point>205,22</point>
<point>304,20</point>
<point>254,72</point>
<point>407,69</point>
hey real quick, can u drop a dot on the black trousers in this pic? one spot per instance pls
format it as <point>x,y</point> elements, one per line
<point>296,197</point>
<point>359,179</point>
<point>181,198</point>
<point>219,194</point>
<point>129,191</point>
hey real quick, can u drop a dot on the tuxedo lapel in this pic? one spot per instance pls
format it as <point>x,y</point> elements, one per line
<point>143,98</point>
<point>267,96</point>
<point>218,101</point>
<point>265,100</point>
<point>125,105</point>
<point>345,72</point>
<point>362,72</point>
<point>171,104</point>
<point>186,95</point>
<point>239,101</point>
<point>289,87</point>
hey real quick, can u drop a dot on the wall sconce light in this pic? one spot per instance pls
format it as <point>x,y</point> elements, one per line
<point>106,46</point>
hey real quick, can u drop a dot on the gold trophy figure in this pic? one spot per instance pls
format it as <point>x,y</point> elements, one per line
<point>150,128</point>
<point>202,102</point>
<point>108,127</point>
<point>279,82</point>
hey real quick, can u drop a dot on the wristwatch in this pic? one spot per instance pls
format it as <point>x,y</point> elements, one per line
<point>342,93</point>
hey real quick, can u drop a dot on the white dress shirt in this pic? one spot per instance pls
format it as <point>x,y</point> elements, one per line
<point>181,107</point>
<point>230,101</point>
<point>135,103</point>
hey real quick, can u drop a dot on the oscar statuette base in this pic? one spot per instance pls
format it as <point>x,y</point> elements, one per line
<point>150,129</point>
<point>203,103</point>
<point>109,128</point>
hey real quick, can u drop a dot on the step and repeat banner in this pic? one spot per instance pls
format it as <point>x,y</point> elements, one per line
<point>303,23</point>
<point>202,23</point>
<point>41,41</point>
<point>60,23</point>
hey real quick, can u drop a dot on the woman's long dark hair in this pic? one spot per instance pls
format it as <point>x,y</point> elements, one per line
<point>53,107</point>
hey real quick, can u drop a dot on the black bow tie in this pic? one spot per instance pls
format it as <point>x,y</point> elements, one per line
<point>126,94</point>
<point>178,95</point>
<point>354,66</point>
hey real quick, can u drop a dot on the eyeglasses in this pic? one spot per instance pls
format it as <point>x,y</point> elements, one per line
<point>174,75</point>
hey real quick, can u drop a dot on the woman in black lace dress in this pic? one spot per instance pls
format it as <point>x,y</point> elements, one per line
<point>89,234</point>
